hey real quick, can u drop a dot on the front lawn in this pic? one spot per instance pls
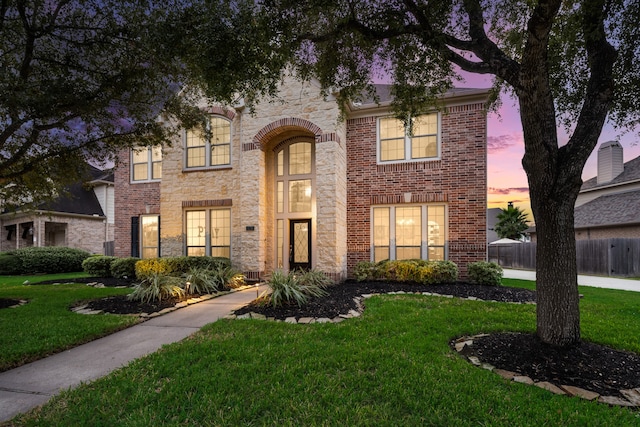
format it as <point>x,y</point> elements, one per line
<point>45,325</point>
<point>392,366</point>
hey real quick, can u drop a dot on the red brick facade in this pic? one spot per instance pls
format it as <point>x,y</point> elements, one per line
<point>458,180</point>
<point>131,200</point>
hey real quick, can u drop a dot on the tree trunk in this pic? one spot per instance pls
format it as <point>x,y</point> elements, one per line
<point>558,313</point>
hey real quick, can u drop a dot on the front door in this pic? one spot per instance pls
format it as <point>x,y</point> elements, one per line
<point>300,244</point>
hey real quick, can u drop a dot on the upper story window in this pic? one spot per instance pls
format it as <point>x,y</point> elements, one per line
<point>211,147</point>
<point>146,164</point>
<point>396,143</point>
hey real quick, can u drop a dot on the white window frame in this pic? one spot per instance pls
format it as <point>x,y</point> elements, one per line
<point>208,149</point>
<point>207,230</point>
<point>408,138</point>
<point>424,238</point>
<point>150,162</point>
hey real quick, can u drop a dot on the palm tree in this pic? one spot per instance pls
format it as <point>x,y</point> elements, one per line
<point>512,222</point>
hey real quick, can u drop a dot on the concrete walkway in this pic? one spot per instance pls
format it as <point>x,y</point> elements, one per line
<point>594,281</point>
<point>31,385</point>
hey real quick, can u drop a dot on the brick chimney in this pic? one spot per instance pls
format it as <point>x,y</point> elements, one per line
<point>610,163</point>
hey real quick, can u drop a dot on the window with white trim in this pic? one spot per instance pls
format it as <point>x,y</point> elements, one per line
<point>408,232</point>
<point>208,232</point>
<point>146,164</point>
<point>211,147</point>
<point>397,143</point>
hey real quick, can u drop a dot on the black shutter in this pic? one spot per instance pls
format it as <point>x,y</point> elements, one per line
<point>135,236</point>
<point>159,243</point>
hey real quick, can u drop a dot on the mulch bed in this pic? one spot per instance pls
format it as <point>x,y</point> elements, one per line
<point>589,366</point>
<point>340,298</point>
<point>7,302</point>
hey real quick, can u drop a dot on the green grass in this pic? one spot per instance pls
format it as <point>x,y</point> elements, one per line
<point>46,325</point>
<point>392,366</point>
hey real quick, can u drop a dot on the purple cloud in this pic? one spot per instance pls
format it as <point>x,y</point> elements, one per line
<point>501,142</point>
<point>505,191</point>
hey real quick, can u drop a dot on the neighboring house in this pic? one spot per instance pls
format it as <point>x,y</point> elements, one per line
<point>289,185</point>
<point>83,219</point>
<point>608,205</point>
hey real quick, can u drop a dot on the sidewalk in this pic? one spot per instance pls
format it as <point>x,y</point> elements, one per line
<point>594,281</point>
<point>31,385</point>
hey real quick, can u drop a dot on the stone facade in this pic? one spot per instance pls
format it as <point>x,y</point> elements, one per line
<point>346,182</point>
<point>56,229</point>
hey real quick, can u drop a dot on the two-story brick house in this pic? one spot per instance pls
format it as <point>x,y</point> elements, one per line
<point>290,185</point>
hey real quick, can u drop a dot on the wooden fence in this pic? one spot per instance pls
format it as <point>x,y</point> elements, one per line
<point>605,257</point>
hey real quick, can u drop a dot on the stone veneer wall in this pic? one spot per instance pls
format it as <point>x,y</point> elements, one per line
<point>458,180</point>
<point>305,113</point>
<point>131,200</point>
<point>82,232</point>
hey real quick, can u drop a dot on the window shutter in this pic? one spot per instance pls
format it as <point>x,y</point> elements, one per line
<point>159,242</point>
<point>135,236</point>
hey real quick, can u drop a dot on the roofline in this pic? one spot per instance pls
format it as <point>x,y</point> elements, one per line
<point>44,212</point>
<point>467,96</point>
<point>604,187</point>
<point>101,181</point>
<point>614,224</point>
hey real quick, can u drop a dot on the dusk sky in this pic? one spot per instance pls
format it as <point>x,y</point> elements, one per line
<point>507,181</point>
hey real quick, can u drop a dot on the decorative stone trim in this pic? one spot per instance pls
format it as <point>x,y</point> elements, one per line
<point>19,304</point>
<point>282,125</point>
<point>411,166</point>
<point>351,314</point>
<point>219,111</point>
<point>82,309</point>
<point>206,203</point>
<point>435,197</point>
<point>632,396</point>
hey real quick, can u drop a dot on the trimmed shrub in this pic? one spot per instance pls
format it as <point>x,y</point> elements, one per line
<point>10,264</point>
<point>124,268</point>
<point>439,272</point>
<point>98,265</point>
<point>51,259</point>
<point>157,287</point>
<point>414,270</point>
<point>364,270</point>
<point>295,287</point>
<point>485,273</point>
<point>178,266</point>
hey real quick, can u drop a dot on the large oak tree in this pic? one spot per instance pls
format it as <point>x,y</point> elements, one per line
<point>568,63</point>
<point>80,79</point>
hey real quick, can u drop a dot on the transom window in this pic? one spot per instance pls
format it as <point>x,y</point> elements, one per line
<point>146,164</point>
<point>408,232</point>
<point>396,143</point>
<point>211,147</point>
<point>208,232</point>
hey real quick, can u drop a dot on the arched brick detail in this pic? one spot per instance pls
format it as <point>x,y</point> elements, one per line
<point>219,111</point>
<point>280,126</point>
<point>291,140</point>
